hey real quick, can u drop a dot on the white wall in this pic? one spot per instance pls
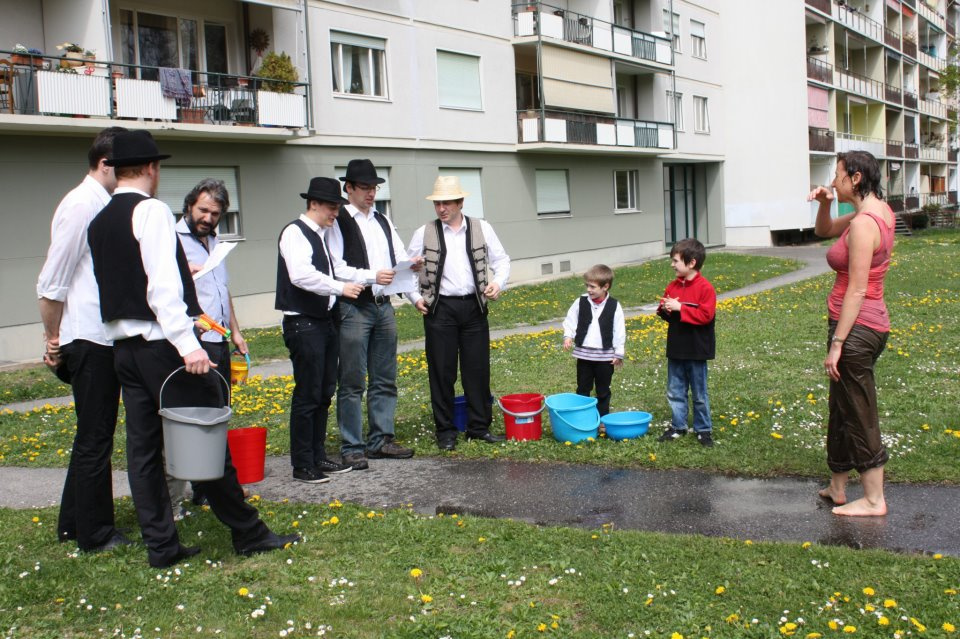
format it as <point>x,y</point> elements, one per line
<point>767,149</point>
<point>22,23</point>
<point>78,21</point>
<point>700,77</point>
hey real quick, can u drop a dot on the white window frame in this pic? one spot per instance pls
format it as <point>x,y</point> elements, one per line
<point>632,177</point>
<point>673,29</point>
<point>471,181</point>
<point>178,181</point>
<point>376,53</point>
<point>701,114</point>
<point>227,24</point>
<point>441,81</point>
<point>382,201</point>
<point>675,110</point>
<point>698,39</point>
<point>557,204</point>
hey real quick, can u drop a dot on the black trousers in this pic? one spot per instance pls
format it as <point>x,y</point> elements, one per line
<point>314,346</point>
<point>219,353</point>
<point>86,507</point>
<point>457,330</point>
<point>142,368</point>
<point>599,374</point>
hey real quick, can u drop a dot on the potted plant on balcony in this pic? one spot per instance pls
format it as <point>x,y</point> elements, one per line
<point>72,54</point>
<point>278,73</point>
<point>26,56</point>
<point>89,57</point>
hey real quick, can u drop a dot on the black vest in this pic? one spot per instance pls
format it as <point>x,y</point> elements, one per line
<point>355,249</point>
<point>292,298</point>
<point>605,321</point>
<point>118,265</point>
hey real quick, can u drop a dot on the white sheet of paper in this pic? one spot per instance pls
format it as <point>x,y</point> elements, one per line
<point>220,252</point>
<point>405,280</point>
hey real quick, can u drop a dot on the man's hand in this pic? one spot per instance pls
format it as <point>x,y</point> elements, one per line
<point>51,355</point>
<point>239,342</point>
<point>417,263</point>
<point>352,290</point>
<point>422,306</point>
<point>385,276</point>
<point>567,343</point>
<point>198,362</point>
<point>492,292</point>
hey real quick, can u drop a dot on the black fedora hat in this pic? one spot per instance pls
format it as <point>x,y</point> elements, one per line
<point>324,190</point>
<point>133,148</point>
<point>362,172</point>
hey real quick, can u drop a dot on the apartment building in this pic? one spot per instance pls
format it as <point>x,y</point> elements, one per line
<point>856,74</point>
<point>585,130</point>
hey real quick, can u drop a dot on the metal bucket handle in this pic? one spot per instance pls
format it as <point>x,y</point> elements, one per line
<point>522,415</point>
<point>212,370</point>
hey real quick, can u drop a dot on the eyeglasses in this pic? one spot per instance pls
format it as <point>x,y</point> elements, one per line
<point>367,187</point>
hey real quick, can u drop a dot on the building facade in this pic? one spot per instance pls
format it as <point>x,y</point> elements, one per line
<point>585,130</point>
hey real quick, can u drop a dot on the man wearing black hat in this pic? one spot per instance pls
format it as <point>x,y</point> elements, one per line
<point>367,241</point>
<point>307,294</point>
<point>147,302</point>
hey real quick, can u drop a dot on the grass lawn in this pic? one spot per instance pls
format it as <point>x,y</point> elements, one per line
<point>396,573</point>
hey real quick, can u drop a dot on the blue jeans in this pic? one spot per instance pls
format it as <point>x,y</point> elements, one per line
<point>368,348</point>
<point>681,375</point>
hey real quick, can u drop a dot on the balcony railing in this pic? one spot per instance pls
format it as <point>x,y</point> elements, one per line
<point>569,26</point>
<point>951,155</point>
<point>952,197</point>
<point>933,153</point>
<point>120,91</point>
<point>934,107</point>
<point>910,48</point>
<point>855,142</point>
<point>911,150</point>
<point>819,70</point>
<point>821,139</point>
<point>951,28</point>
<point>891,37</point>
<point>910,3</point>
<point>910,100</point>
<point>911,202</point>
<point>856,83</point>
<point>568,127</point>
<point>940,198</point>
<point>820,5</point>
<point>857,21</point>
<point>893,94</point>
<point>895,202</point>
<point>894,148</point>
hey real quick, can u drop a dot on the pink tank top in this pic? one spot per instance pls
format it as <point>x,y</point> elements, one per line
<point>873,313</point>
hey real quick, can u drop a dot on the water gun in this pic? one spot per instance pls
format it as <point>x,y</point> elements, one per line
<point>208,323</point>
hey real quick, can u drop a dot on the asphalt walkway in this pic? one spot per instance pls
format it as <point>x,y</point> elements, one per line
<point>922,518</point>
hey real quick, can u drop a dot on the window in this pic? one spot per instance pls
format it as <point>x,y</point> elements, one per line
<point>625,189</point>
<point>359,64</point>
<point>470,183</point>
<point>458,80</point>
<point>701,115</point>
<point>179,180</point>
<point>382,203</point>
<point>673,28</point>
<point>698,35</point>
<point>675,109</point>
<point>155,40</point>
<point>553,197</point>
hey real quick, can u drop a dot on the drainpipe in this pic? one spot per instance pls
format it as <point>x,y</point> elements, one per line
<point>543,103</point>
<point>108,33</point>
<point>306,44</point>
<point>673,79</point>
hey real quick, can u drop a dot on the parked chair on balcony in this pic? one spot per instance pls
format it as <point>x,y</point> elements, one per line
<point>242,111</point>
<point>6,86</point>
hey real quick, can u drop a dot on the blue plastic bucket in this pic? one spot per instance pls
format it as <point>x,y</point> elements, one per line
<point>626,424</point>
<point>460,412</point>
<point>573,418</point>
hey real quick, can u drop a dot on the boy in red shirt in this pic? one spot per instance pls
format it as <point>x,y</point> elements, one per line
<point>689,306</point>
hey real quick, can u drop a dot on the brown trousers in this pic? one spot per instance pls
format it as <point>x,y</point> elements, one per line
<point>853,430</point>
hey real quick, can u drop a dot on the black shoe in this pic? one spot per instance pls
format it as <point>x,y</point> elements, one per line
<point>490,438</point>
<point>116,539</point>
<point>390,450</point>
<point>64,536</point>
<point>670,434</point>
<point>331,467</point>
<point>184,552</point>
<point>705,439</point>
<point>309,476</point>
<point>357,461</point>
<point>447,444</point>
<point>272,541</point>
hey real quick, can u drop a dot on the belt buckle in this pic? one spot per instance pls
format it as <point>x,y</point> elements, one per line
<point>379,299</point>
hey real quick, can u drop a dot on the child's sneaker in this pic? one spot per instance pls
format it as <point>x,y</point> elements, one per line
<point>705,439</point>
<point>670,434</point>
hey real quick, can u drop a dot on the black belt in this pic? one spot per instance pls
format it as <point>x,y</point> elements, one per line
<point>366,295</point>
<point>469,296</point>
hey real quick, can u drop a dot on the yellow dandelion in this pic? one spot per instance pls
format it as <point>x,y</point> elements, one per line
<point>512,634</point>
<point>748,542</point>
<point>937,555</point>
<point>541,627</point>
<point>868,591</point>
<point>833,625</point>
<point>806,544</point>
<point>416,573</point>
<point>334,520</point>
<point>426,598</point>
<point>35,520</point>
<point>813,635</point>
<point>554,625</point>
<point>849,629</point>
<point>919,626</point>
<point>948,627</point>
<point>676,635</point>
<point>243,592</point>
<point>883,621</point>
<point>776,435</point>
<point>889,603</point>
<point>732,618</point>
<point>480,540</point>
<point>719,590</point>
<point>295,524</point>
<point>652,457</point>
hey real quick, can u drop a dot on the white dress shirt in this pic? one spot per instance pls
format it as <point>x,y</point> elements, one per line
<point>153,228</point>
<point>457,276</point>
<point>67,275</point>
<point>212,292</point>
<point>592,347</point>
<point>378,252</point>
<point>298,255</point>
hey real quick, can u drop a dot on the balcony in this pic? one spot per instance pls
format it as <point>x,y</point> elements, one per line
<point>952,197</point>
<point>891,38</point>
<point>910,100</point>
<point>911,150</point>
<point>576,28</point>
<point>951,155</point>
<point>110,90</point>
<point>819,70</point>
<point>856,83</point>
<point>895,202</point>
<point>820,5</point>
<point>894,149</point>
<point>931,105</point>
<point>853,19</point>
<point>951,29</point>
<point>932,153</point>
<point>910,48</point>
<point>569,127</point>
<point>854,142</point>
<point>911,202</point>
<point>893,94</point>
<point>821,139</point>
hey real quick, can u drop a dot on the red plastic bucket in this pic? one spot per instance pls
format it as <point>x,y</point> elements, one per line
<point>248,448</point>
<point>521,415</point>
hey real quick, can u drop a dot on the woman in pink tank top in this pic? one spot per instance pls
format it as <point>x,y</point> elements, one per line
<point>857,330</point>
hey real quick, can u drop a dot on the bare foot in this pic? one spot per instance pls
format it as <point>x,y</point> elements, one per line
<point>839,497</point>
<point>862,508</point>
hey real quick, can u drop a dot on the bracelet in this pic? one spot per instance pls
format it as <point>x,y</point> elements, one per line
<point>836,339</point>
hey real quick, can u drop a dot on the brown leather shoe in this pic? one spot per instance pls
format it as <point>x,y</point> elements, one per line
<point>390,450</point>
<point>357,460</point>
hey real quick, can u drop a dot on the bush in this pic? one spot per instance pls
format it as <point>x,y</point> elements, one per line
<point>278,67</point>
<point>919,221</point>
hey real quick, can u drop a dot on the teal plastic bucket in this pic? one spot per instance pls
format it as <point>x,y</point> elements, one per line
<point>573,418</point>
<point>626,424</point>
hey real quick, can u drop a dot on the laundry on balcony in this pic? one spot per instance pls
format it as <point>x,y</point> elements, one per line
<point>177,84</point>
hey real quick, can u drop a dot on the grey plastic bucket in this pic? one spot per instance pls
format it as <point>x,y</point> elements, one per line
<point>195,438</point>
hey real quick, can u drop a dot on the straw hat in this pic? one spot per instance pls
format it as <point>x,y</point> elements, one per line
<point>447,187</point>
